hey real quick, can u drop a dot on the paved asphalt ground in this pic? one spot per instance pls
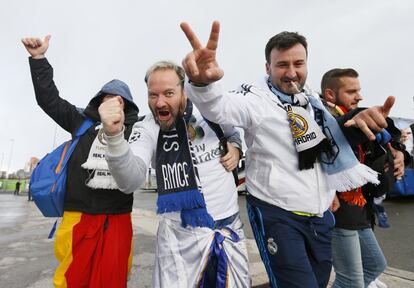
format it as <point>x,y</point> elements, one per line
<point>27,260</point>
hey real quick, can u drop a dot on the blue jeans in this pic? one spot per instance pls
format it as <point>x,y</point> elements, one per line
<point>357,257</point>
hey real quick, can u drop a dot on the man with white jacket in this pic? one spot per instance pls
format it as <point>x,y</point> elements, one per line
<point>297,155</point>
<point>200,239</point>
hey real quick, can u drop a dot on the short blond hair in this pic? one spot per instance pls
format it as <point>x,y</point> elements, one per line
<point>166,65</point>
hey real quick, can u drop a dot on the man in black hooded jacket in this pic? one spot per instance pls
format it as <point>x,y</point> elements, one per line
<point>357,257</point>
<point>94,241</point>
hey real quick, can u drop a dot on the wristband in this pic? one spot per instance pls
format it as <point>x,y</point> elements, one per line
<point>196,84</point>
<point>102,136</point>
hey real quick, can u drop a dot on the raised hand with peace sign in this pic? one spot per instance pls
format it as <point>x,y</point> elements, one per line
<point>200,64</point>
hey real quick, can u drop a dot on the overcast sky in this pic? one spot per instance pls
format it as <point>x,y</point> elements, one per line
<point>96,41</point>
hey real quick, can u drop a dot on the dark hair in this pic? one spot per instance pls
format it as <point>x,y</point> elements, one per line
<point>331,79</point>
<point>284,40</point>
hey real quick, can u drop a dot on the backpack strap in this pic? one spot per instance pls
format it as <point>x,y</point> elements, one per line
<point>220,135</point>
<point>222,145</point>
<point>53,230</point>
<point>86,124</point>
<point>215,127</point>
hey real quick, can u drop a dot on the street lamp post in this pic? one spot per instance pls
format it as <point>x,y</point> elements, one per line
<point>54,137</point>
<point>10,156</point>
<point>2,158</point>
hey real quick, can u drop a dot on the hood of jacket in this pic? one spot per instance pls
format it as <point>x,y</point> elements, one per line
<point>113,87</point>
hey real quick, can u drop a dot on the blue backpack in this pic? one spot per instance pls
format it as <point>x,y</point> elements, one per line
<point>48,180</point>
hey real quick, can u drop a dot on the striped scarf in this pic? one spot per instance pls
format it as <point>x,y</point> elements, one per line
<point>178,184</point>
<point>344,171</point>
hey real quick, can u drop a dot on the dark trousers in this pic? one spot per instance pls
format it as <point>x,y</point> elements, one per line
<point>296,250</point>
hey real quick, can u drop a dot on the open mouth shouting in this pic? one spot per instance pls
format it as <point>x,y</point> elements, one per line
<point>164,115</point>
<point>165,118</point>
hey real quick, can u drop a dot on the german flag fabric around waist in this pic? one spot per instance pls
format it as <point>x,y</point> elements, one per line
<point>93,250</point>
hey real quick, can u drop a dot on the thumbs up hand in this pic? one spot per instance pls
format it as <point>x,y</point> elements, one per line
<point>36,47</point>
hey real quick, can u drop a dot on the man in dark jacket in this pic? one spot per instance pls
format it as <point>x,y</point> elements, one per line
<point>94,241</point>
<point>17,188</point>
<point>357,257</point>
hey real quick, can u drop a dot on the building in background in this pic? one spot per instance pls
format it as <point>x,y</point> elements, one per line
<point>31,164</point>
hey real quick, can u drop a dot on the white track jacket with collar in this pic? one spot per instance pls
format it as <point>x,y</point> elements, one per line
<point>272,173</point>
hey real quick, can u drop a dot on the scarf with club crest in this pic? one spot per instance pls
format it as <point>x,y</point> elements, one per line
<point>321,139</point>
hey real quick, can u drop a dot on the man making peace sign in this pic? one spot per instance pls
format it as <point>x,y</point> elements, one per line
<point>297,153</point>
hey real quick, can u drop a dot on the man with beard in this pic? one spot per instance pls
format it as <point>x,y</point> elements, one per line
<point>297,155</point>
<point>94,240</point>
<point>200,240</point>
<point>357,256</point>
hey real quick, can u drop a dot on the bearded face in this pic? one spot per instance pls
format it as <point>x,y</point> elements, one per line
<point>166,98</point>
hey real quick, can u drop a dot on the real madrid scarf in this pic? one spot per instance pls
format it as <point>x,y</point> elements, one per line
<point>321,138</point>
<point>99,175</point>
<point>177,178</point>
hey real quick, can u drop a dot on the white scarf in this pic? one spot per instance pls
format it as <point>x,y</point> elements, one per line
<point>99,177</point>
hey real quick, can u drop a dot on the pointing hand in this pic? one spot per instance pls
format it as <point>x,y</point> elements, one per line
<point>373,119</point>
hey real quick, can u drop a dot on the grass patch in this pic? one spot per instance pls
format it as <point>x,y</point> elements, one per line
<point>10,184</point>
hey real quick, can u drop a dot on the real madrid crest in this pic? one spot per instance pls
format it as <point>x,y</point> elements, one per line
<point>271,246</point>
<point>194,132</point>
<point>298,124</point>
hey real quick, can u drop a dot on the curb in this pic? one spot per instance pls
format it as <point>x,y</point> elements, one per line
<point>398,273</point>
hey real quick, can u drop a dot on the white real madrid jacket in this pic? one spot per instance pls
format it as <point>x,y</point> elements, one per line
<point>128,162</point>
<point>272,173</point>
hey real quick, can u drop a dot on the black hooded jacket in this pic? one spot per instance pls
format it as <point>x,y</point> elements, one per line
<point>80,197</point>
<point>353,217</point>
